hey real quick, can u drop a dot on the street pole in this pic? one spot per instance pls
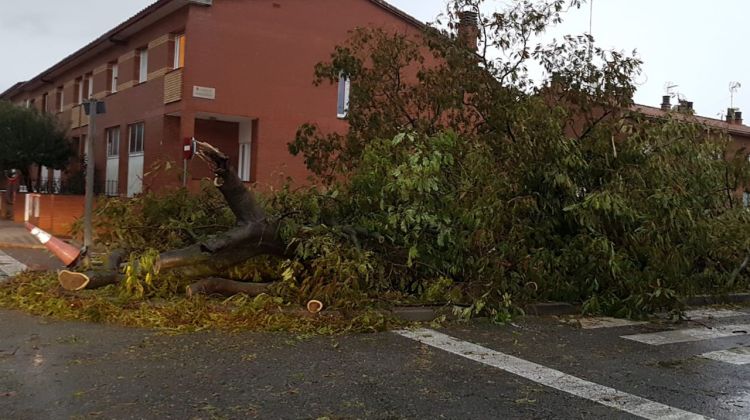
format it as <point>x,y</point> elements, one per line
<point>88,229</point>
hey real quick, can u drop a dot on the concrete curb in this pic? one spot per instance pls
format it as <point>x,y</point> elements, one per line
<point>704,300</point>
<point>430,313</point>
<point>421,313</point>
<point>15,245</point>
<point>552,309</point>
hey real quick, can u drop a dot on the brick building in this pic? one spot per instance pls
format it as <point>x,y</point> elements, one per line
<point>237,74</point>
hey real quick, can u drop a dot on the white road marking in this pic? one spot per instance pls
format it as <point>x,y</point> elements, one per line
<point>693,334</point>
<point>590,323</point>
<point>552,378</point>
<point>10,266</point>
<point>738,356</point>
<point>708,313</point>
<point>606,322</point>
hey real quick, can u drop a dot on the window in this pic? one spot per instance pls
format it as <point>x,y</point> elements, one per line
<point>45,100</point>
<point>89,86</point>
<point>245,162</point>
<point>136,138</point>
<point>60,99</point>
<point>79,90</point>
<point>143,65</point>
<point>244,165</point>
<point>179,51</point>
<point>113,142</point>
<point>113,80</point>
<point>343,99</point>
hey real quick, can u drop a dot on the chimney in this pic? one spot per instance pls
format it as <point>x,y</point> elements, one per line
<point>730,115</point>
<point>468,29</point>
<point>666,103</point>
<point>685,107</point>
<point>737,117</point>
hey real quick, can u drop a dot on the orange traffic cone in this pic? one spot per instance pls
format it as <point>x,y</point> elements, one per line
<point>67,253</point>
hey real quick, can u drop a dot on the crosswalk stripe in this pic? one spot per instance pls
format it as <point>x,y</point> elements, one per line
<point>693,334</point>
<point>552,378</point>
<point>9,266</point>
<point>737,356</point>
<point>590,323</point>
<point>606,322</point>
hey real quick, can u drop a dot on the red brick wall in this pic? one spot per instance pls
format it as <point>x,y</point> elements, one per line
<point>268,51</point>
<point>57,213</point>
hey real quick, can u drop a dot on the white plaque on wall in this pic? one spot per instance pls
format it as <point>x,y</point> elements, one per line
<point>204,92</point>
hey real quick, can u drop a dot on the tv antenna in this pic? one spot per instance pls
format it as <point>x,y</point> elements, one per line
<point>733,88</point>
<point>670,89</point>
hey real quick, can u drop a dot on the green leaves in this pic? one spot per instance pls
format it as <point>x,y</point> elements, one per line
<point>28,137</point>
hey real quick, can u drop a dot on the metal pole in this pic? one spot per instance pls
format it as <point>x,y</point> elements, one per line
<point>184,172</point>
<point>88,229</point>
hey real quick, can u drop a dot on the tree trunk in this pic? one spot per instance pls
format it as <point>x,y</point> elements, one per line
<point>74,281</point>
<point>26,173</point>
<point>225,287</point>
<point>38,178</point>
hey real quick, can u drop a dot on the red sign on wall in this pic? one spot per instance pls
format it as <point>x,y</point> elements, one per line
<point>188,148</point>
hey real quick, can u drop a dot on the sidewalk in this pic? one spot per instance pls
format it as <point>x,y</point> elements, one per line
<point>15,236</point>
<point>20,251</point>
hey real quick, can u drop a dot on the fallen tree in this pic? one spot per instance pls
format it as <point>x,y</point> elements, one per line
<point>473,186</point>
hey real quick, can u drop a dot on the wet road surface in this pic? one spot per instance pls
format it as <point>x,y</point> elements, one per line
<point>62,370</point>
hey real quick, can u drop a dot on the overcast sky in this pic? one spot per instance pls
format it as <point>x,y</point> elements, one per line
<point>696,44</point>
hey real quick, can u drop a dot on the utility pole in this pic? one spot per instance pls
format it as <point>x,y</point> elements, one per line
<point>93,107</point>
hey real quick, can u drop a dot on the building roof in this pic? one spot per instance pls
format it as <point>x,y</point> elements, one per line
<point>736,129</point>
<point>12,88</point>
<point>145,17</point>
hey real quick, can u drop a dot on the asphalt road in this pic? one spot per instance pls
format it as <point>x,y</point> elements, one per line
<point>536,369</point>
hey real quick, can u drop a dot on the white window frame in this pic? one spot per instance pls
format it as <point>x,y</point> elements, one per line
<point>79,99</point>
<point>143,65</point>
<point>113,142</point>
<point>344,91</point>
<point>115,76</point>
<point>180,38</point>
<point>90,81</point>
<point>245,161</point>
<point>136,138</point>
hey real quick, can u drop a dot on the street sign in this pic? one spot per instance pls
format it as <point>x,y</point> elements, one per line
<point>188,148</point>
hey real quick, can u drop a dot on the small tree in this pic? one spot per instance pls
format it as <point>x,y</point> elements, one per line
<point>28,138</point>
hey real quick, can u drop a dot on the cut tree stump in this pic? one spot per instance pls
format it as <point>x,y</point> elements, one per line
<point>70,280</point>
